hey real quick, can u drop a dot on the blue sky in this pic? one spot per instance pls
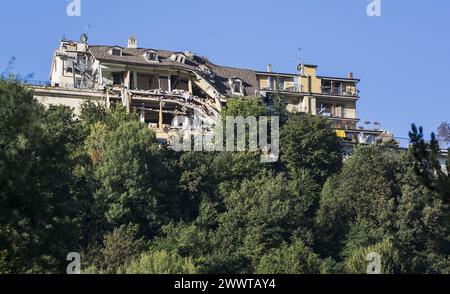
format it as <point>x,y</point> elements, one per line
<point>402,57</point>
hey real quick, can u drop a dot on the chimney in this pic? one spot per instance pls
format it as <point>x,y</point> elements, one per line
<point>350,75</point>
<point>269,68</point>
<point>132,42</point>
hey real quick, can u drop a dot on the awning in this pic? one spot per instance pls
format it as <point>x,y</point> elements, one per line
<point>341,134</point>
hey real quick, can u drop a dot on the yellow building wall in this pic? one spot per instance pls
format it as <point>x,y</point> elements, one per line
<point>313,105</point>
<point>315,82</point>
<point>350,87</point>
<point>350,110</point>
<point>263,82</point>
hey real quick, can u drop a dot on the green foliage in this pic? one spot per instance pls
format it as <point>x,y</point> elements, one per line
<point>278,106</point>
<point>358,262</point>
<point>365,191</point>
<point>161,262</point>
<point>133,179</point>
<point>93,112</point>
<point>38,225</point>
<point>309,146</point>
<point>290,259</point>
<point>100,184</point>
<point>422,224</point>
<point>248,106</point>
<point>3,262</point>
<point>120,247</point>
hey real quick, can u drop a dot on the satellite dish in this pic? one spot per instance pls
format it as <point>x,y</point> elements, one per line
<point>84,38</point>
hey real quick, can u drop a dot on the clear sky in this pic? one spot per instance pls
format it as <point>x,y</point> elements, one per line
<point>402,56</point>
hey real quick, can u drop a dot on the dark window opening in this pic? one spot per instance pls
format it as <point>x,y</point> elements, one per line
<point>116,52</point>
<point>117,78</point>
<point>164,83</point>
<point>237,85</point>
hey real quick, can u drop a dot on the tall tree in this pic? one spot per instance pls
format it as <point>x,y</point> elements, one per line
<point>38,225</point>
<point>309,146</point>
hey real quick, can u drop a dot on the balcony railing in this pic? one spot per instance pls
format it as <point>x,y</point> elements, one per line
<point>37,83</point>
<point>282,88</point>
<point>336,91</point>
<point>338,114</point>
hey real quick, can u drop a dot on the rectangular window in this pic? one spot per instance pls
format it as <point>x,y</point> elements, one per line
<point>164,83</point>
<point>116,52</point>
<point>117,78</point>
<point>339,110</point>
<point>154,82</point>
<point>237,87</point>
<point>68,64</point>
<point>325,109</point>
<point>280,84</point>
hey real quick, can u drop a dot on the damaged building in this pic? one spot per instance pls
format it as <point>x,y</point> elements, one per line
<point>168,87</point>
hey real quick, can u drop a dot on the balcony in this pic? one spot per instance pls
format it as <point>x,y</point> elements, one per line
<point>336,91</point>
<point>294,88</point>
<point>334,112</point>
<point>37,83</point>
<point>283,88</point>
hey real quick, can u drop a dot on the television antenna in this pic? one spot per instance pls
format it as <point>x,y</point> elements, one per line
<point>300,60</point>
<point>88,29</point>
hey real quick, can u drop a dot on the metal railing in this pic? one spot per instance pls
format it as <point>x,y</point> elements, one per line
<point>336,91</point>
<point>37,83</point>
<point>295,88</point>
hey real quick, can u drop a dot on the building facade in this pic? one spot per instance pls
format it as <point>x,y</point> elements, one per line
<point>168,87</point>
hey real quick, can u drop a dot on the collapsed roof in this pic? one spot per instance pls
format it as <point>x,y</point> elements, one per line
<point>218,75</point>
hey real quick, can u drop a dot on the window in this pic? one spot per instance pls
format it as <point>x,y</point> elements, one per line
<point>325,109</point>
<point>339,110</point>
<point>151,55</point>
<point>164,83</point>
<point>116,52</point>
<point>178,57</point>
<point>236,86</point>
<point>70,65</point>
<point>117,78</point>
<point>176,82</point>
<point>337,88</point>
<point>280,84</point>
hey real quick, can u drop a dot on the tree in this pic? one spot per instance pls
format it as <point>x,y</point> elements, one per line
<point>278,106</point>
<point>427,165</point>
<point>248,106</point>
<point>161,262</point>
<point>310,146</point>
<point>120,248</point>
<point>359,260</point>
<point>296,258</point>
<point>365,192</point>
<point>135,185</point>
<point>260,214</point>
<point>421,233</point>
<point>38,225</point>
